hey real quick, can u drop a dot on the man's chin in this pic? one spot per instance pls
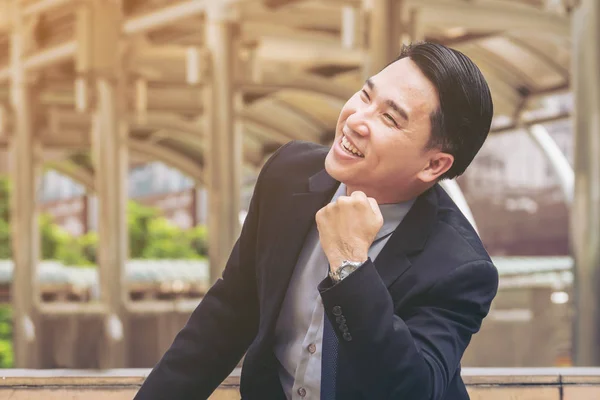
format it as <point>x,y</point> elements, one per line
<point>330,165</point>
<point>335,170</point>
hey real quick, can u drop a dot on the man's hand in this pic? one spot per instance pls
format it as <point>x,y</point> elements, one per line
<point>348,227</point>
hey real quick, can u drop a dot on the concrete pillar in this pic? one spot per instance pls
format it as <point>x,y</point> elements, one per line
<point>24,217</point>
<point>224,156</point>
<point>585,212</point>
<point>416,32</point>
<point>353,28</point>
<point>100,61</point>
<point>384,31</point>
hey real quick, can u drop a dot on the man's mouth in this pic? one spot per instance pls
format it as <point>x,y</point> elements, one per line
<point>349,147</point>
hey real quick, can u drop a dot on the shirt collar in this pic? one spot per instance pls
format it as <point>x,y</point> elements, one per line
<point>392,214</point>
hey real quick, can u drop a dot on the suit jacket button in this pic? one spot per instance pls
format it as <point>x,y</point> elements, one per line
<point>302,392</point>
<point>347,336</point>
<point>337,311</point>
<point>344,327</point>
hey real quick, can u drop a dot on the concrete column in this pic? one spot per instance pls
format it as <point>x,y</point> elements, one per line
<point>24,216</point>
<point>353,28</point>
<point>102,63</point>
<point>224,156</point>
<point>585,212</point>
<point>384,31</point>
<point>416,32</point>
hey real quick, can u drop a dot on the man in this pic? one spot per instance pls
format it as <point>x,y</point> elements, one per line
<point>355,275</point>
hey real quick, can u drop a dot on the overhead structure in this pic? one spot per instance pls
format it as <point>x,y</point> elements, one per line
<point>208,86</point>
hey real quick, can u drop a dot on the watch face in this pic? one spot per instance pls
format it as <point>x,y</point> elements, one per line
<point>346,270</point>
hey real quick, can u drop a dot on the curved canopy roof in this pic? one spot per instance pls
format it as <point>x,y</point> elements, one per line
<point>299,62</point>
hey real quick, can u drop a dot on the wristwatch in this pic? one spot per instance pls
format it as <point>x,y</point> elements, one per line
<point>344,270</point>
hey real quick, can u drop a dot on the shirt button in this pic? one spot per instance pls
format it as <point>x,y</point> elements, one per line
<point>312,348</point>
<point>302,392</point>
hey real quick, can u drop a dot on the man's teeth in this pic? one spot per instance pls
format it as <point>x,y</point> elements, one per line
<point>349,147</point>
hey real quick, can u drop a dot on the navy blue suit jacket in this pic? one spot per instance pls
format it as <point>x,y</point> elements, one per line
<point>411,314</point>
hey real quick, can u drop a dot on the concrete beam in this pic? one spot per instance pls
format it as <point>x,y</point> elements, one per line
<point>45,58</point>
<point>42,6</point>
<point>164,16</point>
<point>75,172</point>
<point>156,152</point>
<point>491,15</point>
<point>301,82</point>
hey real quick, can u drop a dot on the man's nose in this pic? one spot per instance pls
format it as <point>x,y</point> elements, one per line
<point>358,123</point>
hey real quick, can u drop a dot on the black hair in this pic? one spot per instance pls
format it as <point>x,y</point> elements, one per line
<point>462,122</point>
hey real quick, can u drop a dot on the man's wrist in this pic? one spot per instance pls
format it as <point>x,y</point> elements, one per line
<point>337,261</point>
<point>344,269</point>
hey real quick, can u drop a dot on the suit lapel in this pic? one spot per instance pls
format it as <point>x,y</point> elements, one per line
<point>296,219</point>
<point>409,237</point>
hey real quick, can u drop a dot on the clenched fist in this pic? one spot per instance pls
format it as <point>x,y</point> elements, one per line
<point>348,227</point>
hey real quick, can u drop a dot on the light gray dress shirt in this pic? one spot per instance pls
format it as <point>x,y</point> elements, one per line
<point>299,329</point>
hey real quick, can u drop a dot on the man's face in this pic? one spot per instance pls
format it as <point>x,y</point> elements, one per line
<point>387,126</point>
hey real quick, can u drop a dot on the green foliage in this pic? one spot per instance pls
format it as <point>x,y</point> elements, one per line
<point>4,199</point>
<point>52,237</point>
<point>166,240</point>
<point>138,222</point>
<point>88,245</point>
<point>150,236</point>
<point>5,245</point>
<point>6,348</point>
<point>198,239</point>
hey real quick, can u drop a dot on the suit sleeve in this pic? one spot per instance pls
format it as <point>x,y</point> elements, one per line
<point>414,356</point>
<point>221,328</point>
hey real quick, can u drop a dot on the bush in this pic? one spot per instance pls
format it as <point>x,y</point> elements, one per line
<point>6,332</point>
<point>88,244</point>
<point>138,222</point>
<point>5,244</point>
<point>198,239</point>
<point>150,236</point>
<point>166,240</point>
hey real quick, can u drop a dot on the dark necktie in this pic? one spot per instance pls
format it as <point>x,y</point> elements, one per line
<point>329,359</point>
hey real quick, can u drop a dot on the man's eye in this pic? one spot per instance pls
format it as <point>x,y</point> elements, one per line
<point>390,119</point>
<point>365,95</point>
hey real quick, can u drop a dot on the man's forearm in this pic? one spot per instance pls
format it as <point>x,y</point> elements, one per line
<point>360,306</point>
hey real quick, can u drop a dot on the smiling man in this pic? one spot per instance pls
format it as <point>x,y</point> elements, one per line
<point>355,275</point>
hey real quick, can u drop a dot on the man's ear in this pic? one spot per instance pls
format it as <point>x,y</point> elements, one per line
<point>439,164</point>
